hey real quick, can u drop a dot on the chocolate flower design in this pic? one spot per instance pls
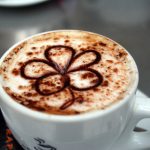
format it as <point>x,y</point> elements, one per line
<point>63,68</point>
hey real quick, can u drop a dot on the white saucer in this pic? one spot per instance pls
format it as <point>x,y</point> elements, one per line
<point>136,141</point>
<point>145,123</point>
<point>17,3</point>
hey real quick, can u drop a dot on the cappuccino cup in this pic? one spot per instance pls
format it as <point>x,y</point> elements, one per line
<point>72,90</point>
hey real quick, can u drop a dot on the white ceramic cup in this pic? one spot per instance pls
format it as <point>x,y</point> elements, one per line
<point>110,129</point>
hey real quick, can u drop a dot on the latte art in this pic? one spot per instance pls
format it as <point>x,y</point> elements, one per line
<point>67,72</point>
<point>60,78</point>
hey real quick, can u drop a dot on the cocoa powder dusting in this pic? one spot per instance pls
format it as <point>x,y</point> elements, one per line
<point>21,87</point>
<point>66,41</point>
<point>114,44</point>
<point>28,94</point>
<point>115,70</point>
<point>94,81</point>
<point>102,44</point>
<point>48,83</point>
<point>29,54</point>
<point>87,75</point>
<point>95,44</point>
<point>56,38</point>
<point>33,48</point>
<point>108,76</point>
<point>96,90</point>
<point>15,71</point>
<point>110,61</point>
<point>20,63</point>
<point>105,83</point>
<point>122,53</point>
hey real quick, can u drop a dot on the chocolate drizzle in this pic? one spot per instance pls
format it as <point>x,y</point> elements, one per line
<point>69,102</point>
<point>57,80</point>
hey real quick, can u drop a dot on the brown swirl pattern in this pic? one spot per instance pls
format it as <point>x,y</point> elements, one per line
<point>58,77</point>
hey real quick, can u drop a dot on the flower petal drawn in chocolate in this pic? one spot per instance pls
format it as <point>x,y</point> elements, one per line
<point>89,78</point>
<point>84,59</point>
<point>60,56</point>
<point>36,68</point>
<point>50,84</point>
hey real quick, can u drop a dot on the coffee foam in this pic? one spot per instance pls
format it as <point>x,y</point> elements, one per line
<point>68,72</point>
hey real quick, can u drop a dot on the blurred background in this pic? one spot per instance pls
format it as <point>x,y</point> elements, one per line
<point>125,21</point>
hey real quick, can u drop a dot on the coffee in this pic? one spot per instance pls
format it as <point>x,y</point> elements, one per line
<point>67,72</point>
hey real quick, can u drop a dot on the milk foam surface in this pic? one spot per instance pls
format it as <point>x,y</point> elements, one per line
<point>67,72</point>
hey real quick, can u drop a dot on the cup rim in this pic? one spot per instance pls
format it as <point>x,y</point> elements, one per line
<point>66,118</point>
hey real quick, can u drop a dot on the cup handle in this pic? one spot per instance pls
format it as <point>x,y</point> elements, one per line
<point>131,140</point>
